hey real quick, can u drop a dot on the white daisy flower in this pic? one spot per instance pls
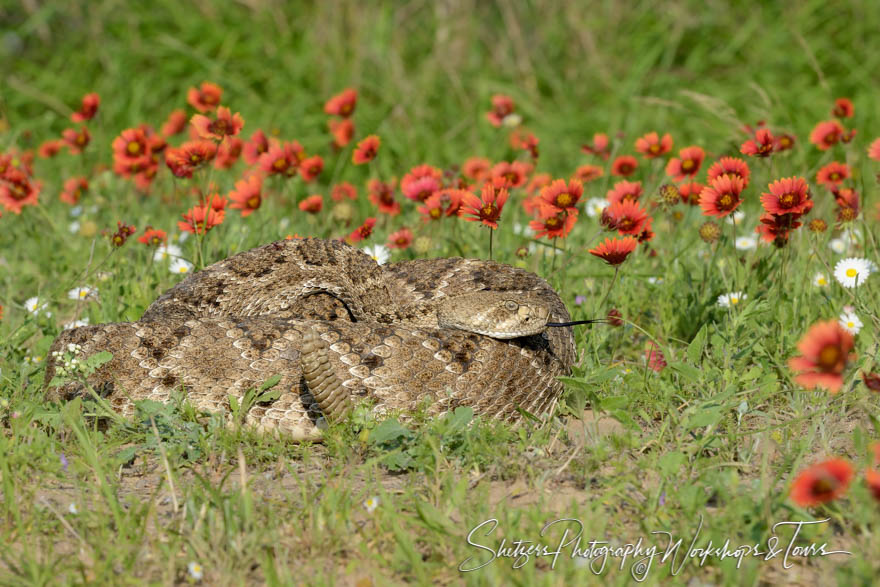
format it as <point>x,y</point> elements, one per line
<point>180,266</point>
<point>371,503</point>
<point>35,306</point>
<point>746,243</point>
<point>736,218</point>
<point>837,245</point>
<point>819,280</point>
<point>655,280</point>
<point>594,206</point>
<point>512,120</point>
<point>852,271</point>
<point>850,322</point>
<point>195,571</point>
<point>73,227</point>
<point>82,293</point>
<point>729,300</point>
<point>76,324</point>
<point>379,253</point>
<point>164,252</point>
<point>73,509</point>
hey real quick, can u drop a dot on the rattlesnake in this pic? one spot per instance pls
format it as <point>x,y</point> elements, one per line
<point>337,327</point>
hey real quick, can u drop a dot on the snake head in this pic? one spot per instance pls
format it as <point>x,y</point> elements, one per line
<point>501,315</point>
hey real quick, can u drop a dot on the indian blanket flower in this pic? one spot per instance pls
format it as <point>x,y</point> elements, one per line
<point>88,109</point>
<point>502,107</point>
<point>342,191</point>
<point>563,196</point>
<point>123,231</point>
<point>254,147</point>
<point>598,147</point>
<point>821,483</point>
<point>132,146</point>
<point>433,208</point>
<point>783,142</point>
<point>342,131</point>
<point>206,97</point>
<point>848,205</point>
<point>175,124</point>
<point>789,195</point>
<point>486,209</point>
<point>874,150</point>
<point>833,174</point>
<point>342,104</point>
<point>247,195</point>
<point>420,189</point>
<point>729,166</point>
<point>401,239</point>
<point>651,145</point>
<point>872,479</point>
<point>687,164</point>
<point>363,231</point>
<point>18,191</point>
<point>721,196</point>
<point>626,217</point>
<point>843,108</point>
<point>525,141</point>
<point>825,351</point>
<point>852,271</point>
<point>381,194</point>
<point>775,228</point>
<point>554,222</point>
<point>228,152</point>
<point>189,156</point>
<point>73,190</point>
<point>731,299</point>
<point>624,190</point>
<point>761,145</point>
<point>50,148</point>
<point>76,140</point>
<point>514,174</point>
<point>223,125</point>
<point>282,159</point>
<point>690,192</point>
<point>614,251</point>
<point>153,237</point>
<point>826,134</point>
<point>311,167</point>
<point>366,150</point>
<point>313,204</point>
<point>476,168</point>
<point>201,219</point>
<point>624,166</point>
<point>850,321</point>
<point>588,173</point>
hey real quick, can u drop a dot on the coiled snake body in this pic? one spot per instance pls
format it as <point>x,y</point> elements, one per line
<point>337,328</point>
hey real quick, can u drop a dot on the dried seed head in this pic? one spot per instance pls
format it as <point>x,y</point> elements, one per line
<point>710,232</point>
<point>669,194</point>
<point>817,225</point>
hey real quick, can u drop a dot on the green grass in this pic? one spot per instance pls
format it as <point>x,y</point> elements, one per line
<point>720,433</point>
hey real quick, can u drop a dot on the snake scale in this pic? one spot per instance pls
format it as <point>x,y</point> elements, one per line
<point>338,328</point>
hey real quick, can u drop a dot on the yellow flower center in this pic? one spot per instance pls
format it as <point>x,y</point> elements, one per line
<point>851,272</point>
<point>253,202</point>
<point>133,148</point>
<point>687,164</point>
<point>787,200</point>
<point>828,357</point>
<point>822,281</point>
<point>725,201</point>
<point>564,199</point>
<point>734,300</point>
<point>851,324</point>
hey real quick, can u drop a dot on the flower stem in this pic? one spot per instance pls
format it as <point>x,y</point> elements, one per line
<point>613,281</point>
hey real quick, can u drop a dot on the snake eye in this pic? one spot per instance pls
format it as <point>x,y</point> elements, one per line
<point>511,306</point>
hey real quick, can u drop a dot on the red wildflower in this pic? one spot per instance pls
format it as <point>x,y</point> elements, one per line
<point>783,142</point>
<point>832,175</point>
<point>342,131</point>
<point>655,359</point>
<point>651,145</point>
<point>342,191</point>
<point>690,192</point>
<point>760,146</point>
<point>153,237</point>
<point>254,147</point>
<point>562,196</point>
<point>825,350</point>
<point>130,147</point>
<point>420,187</point>
<point>123,231</point>
<point>189,156</point>
<point>225,124</point>
<point>821,483</point>
<point>478,168</point>
<point>363,231</point>
<point>872,478</point>
<point>624,190</point>
<point>201,219</point>
<point>76,140</point>
<point>614,317</point>
<point>50,148</point>
<point>281,159</point>
<point>313,204</point>
<point>451,198</point>
<point>366,150</point>
<point>487,208</point>
<point>826,134</point>
<point>175,124</point>
<point>247,195</point>
<point>74,189</point>
<point>775,227</point>
<point>646,234</point>
<point>843,108</point>
<point>599,146</point>
<point>228,153</point>
<point>515,174</point>
<point>848,205</point>
<point>729,166</point>
<point>721,196</point>
<point>587,173</point>
<point>524,141</point>
<point>206,98</point>
<point>502,107</point>
<point>342,104</point>
<point>311,168</point>
<point>381,194</point>
<point>89,108</point>
<point>539,181</point>
<point>614,251</point>
<point>789,195</point>
<point>626,217</point>
<point>18,191</point>
<point>687,164</point>
<point>433,208</point>
<point>554,222</point>
<point>624,166</point>
<point>401,239</point>
<point>874,150</point>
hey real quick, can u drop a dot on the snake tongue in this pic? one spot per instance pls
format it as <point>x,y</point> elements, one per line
<point>575,322</point>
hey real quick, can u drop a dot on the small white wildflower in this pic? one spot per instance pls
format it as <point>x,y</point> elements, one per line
<point>76,324</point>
<point>850,322</point>
<point>76,211</point>
<point>512,120</point>
<point>746,243</point>
<point>655,280</point>
<point>35,306</point>
<point>594,206</point>
<point>852,271</point>
<point>180,266</point>
<point>284,223</point>
<point>73,509</point>
<point>195,571</point>
<point>851,235</point>
<point>729,300</point>
<point>181,238</point>
<point>522,229</point>
<point>82,293</point>
<point>837,245</point>
<point>33,360</point>
<point>819,280</point>
<point>736,218</point>
<point>74,226</point>
<point>371,503</point>
<point>167,252</point>
<point>379,253</point>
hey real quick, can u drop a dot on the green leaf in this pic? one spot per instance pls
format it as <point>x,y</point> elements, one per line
<point>387,432</point>
<point>687,371</point>
<point>270,382</point>
<point>433,519</point>
<point>695,348</point>
<point>671,462</point>
<point>614,402</point>
<point>98,359</point>
<point>703,417</point>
